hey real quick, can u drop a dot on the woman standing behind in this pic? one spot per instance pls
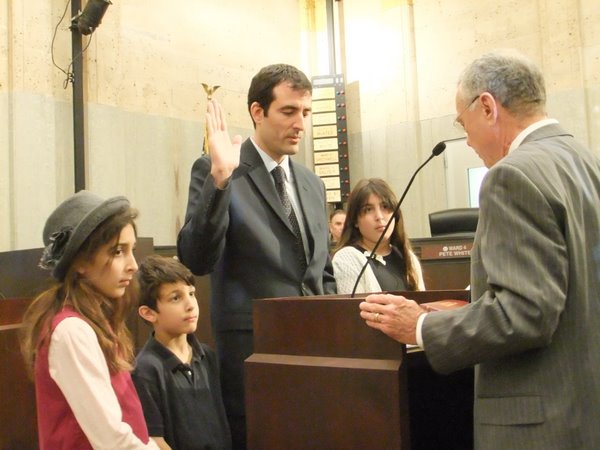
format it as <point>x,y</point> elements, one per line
<point>75,341</point>
<point>395,268</point>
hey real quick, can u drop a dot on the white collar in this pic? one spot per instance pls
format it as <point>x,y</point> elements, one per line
<point>270,164</point>
<point>379,258</point>
<point>527,131</point>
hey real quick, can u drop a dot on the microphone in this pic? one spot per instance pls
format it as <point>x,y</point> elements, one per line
<point>437,150</point>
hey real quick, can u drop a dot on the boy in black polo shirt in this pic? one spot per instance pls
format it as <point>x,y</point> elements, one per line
<point>177,377</point>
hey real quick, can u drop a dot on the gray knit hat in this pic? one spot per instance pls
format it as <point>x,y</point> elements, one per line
<point>69,226</point>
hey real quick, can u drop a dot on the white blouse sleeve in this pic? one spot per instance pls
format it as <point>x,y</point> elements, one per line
<point>419,271</point>
<point>78,367</point>
<point>347,264</point>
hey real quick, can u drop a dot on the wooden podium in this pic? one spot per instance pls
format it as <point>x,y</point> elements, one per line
<point>445,261</point>
<point>18,426</point>
<point>321,378</point>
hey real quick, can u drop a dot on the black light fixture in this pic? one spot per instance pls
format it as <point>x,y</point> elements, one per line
<point>91,16</point>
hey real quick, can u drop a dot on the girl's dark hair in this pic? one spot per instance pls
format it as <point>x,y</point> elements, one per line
<point>106,316</point>
<point>351,234</point>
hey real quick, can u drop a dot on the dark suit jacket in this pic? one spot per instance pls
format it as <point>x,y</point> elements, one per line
<point>242,236</point>
<point>534,327</point>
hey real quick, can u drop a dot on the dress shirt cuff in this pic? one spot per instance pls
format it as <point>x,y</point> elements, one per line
<point>419,332</point>
<point>225,186</point>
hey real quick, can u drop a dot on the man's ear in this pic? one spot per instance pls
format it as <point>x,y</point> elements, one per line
<point>147,313</point>
<point>257,112</point>
<point>489,106</point>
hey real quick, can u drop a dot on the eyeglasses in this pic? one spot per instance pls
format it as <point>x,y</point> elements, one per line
<point>457,123</point>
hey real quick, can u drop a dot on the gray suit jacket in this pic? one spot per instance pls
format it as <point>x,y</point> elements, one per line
<point>242,236</point>
<point>534,325</point>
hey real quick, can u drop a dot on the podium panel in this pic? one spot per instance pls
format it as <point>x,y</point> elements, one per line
<point>445,261</point>
<point>318,326</point>
<point>321,378</point>
<point>18,423</point>
<point>354,404</point>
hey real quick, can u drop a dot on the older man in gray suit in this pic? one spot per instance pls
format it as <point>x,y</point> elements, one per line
<point>533,328</point>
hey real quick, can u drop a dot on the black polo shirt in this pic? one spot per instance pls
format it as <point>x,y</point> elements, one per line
<point>182,403</point>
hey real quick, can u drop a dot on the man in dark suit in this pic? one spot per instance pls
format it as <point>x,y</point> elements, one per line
<point>533,327</point>
<point>255,240</point>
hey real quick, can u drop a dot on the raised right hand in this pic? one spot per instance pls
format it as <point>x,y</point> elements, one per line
<point>224,152</point>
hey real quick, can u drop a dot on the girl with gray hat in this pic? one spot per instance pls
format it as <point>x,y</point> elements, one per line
<point>75,340</point>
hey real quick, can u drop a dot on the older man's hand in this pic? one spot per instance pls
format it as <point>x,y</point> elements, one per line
<point>394,315</point>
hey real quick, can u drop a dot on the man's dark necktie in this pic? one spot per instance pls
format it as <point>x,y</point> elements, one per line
<point>279,176</point>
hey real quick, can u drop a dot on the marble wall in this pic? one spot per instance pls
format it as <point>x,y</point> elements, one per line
<point>403,59</point>
<point>144,101</point>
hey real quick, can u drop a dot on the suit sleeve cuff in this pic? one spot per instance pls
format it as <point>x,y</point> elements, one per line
<point>419,330</point>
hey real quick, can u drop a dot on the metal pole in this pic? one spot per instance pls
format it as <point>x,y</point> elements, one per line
<point>330,35</point>
<point>78,117</point>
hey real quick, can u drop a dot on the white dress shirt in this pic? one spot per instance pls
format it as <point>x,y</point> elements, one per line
<point>78,366</point>
<point>289,187</point>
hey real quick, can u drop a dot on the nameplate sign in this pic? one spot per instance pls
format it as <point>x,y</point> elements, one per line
<point>441,251</point>
<point>320,93</point>
<point>325,144</point>
<point>326,157</point>
<point>320,106</point>
<point>324,118</point>
<point>331,182</point>
<point>334,196</point>
<point>325,131</point>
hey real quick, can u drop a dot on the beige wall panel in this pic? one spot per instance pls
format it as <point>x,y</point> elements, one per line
<point>389,140</point>
<point>157,105</point>
<point>145,103</point>
<point>403,63</point>
<point>5,165</point>
<point>33,121</point>
<point>450,34</point>
<point>33,172</point>
<point>383,107</point>
<point>5,129</point>
<point>144,107</point>
<point>152,57</point>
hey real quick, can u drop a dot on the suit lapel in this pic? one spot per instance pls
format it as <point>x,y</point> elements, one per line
<point>305,203</point>
<point>257,173</point>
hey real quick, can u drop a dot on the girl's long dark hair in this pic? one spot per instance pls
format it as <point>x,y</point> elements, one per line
<point>106,316</point>
<point>351,234</point>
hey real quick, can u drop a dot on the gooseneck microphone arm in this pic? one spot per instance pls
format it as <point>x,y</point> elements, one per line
<point>437,150</point>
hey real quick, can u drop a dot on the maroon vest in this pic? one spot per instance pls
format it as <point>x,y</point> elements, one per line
<point>57,426</point>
